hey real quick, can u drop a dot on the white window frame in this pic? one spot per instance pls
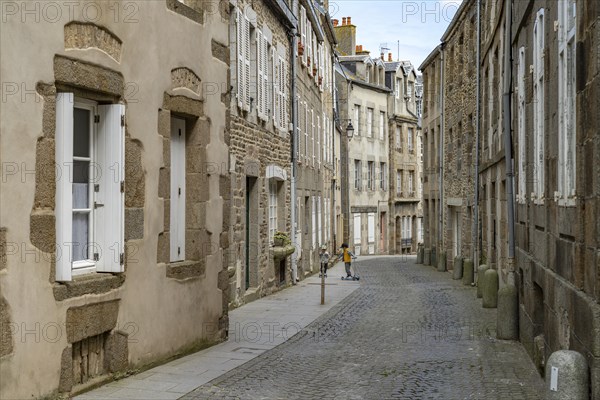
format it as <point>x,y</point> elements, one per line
<point>371,228</point>
<point>382,174</point>
<point>538,108</point>
<point>357,229</point>
<point>357,119</point>
<point>567,39</point>
<point>369,122</point>
<point>398,88</point>
<point>411,186</point>
<point>409,139</point>
<point>105,191</point>
<point>357,174</point>
<point>177,200</point>
<point>398,182</point>
<point>382,125</point>
<point>370,175</point>
<point>273,189</point>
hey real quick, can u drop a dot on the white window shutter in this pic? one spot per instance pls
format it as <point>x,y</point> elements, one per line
<point>109,219</point>
<point>246,64</point>
<point>64,200</point>
<point>275,87</point>
<point>240,58</point>
<point>177,198</point>
<point>265,78</point>
<point>259,74</point>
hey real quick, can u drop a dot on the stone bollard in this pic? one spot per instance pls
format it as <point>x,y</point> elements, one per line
<point>441,267</point>
<point>480,272</point>
<point>458,268</point>
<point>433,257</point>
<point>567,376</point>
<point>490,289</point>
<point>507,324</point>
<point>468,270</point>
<point>427,257</point>
<point>420,254</point>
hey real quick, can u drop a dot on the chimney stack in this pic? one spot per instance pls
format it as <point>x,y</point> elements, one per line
<point>390,57</point>
<point>382,56</point>
<point>346,36</point>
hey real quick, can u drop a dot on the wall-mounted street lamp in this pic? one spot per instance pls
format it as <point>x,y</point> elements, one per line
<point>350,130</point>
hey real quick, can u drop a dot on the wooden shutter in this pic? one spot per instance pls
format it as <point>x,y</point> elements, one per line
<point>357,228</point>
<point>64,200</point>
<point>275,87</point>
<point>109,219</point>
<point>240,58</point>
<point>177,201</point>
<point>260,76</point>
<point>265,78</point>
<point>246,64</point>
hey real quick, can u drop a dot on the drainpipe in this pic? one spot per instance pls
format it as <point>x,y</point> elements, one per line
<point>508,161</point>
<point>294,101</point>
<point>477,139</point>
<point>441,156</point>
<point>333,182</point>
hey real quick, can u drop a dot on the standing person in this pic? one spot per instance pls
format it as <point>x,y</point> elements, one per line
<point>324,257</point>
<point>347,256</point>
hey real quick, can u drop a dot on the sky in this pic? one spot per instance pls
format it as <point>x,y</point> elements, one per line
<point>417,24</point>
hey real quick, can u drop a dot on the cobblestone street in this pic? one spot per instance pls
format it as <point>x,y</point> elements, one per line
<point>408,332</point>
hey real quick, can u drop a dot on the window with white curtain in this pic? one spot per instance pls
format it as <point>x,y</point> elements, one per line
<point>357,120</point>
<point>272,208</point>
<point>89,210</point>
<point>382,125</point>
<point>369,122</point>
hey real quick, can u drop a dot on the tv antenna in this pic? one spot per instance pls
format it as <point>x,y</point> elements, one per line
<point>382,48</point>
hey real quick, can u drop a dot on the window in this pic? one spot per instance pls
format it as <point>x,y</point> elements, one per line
<point>383,176</point>
<point>370,175</point>
<point>411,188</point>
<point>420,229</point>
<point>357,175</point>
<point>521,125</point>
<point>382,125</point>
<point>357,229</point>
<point>357,120</point>
<point>398,88</point>
<point>399,182</point>
<point>243,60</point>
<point>398,138</point>
<point>319,149</point>
<point>566,97</point>
<point>306,135</point>
<point>312,136</point>
<point>411,133</point>
<point>280,93</point>
<point>272,208</point>
<point>371,227</point>
<point>369,122</point>
<point>177,199</point>
<point>262,73</point>
<point>89,209</point>
<point>409,91</point>
<point>319,222</point>
<point>303,28</point>
<point>538,106</point>
<point>314,221</point>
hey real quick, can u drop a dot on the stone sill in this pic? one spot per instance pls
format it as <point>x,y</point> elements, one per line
<point>279,253</point>
<point>94,283</point>
<point>183,270</point>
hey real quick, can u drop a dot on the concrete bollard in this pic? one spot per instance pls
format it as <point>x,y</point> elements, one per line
<point>441,267</point>
<point>458,268</point>
<point>507,324</point>
<point>490,289</point>
<point>433,257</point>
<point>427,257</point>
<point>567,376</point>
<point>468,270</point>
<point>480,272</point>
<point>420,254</point>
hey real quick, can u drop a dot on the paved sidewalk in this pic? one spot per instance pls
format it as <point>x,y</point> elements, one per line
<point>253,329</point>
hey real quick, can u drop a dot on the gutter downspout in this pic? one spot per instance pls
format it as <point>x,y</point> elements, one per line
<point>294,101</point>
<point>477,144</point>
<point>508,161</point>
<point>333,231</point>
<point>441,156</point>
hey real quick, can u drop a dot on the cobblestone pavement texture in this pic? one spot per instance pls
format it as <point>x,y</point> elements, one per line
<point>408,332</point>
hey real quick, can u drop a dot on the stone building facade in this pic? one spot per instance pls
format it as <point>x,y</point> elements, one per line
<point>260,143</point>
<point>554,147</point>
<point>115,194</point>
<point>557,157</point>
<point>449,118</point>
<point>315,192</point>
<point>361,83</point>
<point>406,221</point>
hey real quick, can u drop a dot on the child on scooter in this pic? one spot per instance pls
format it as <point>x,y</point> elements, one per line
<point>324,258</point>
<point>347,257</point>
